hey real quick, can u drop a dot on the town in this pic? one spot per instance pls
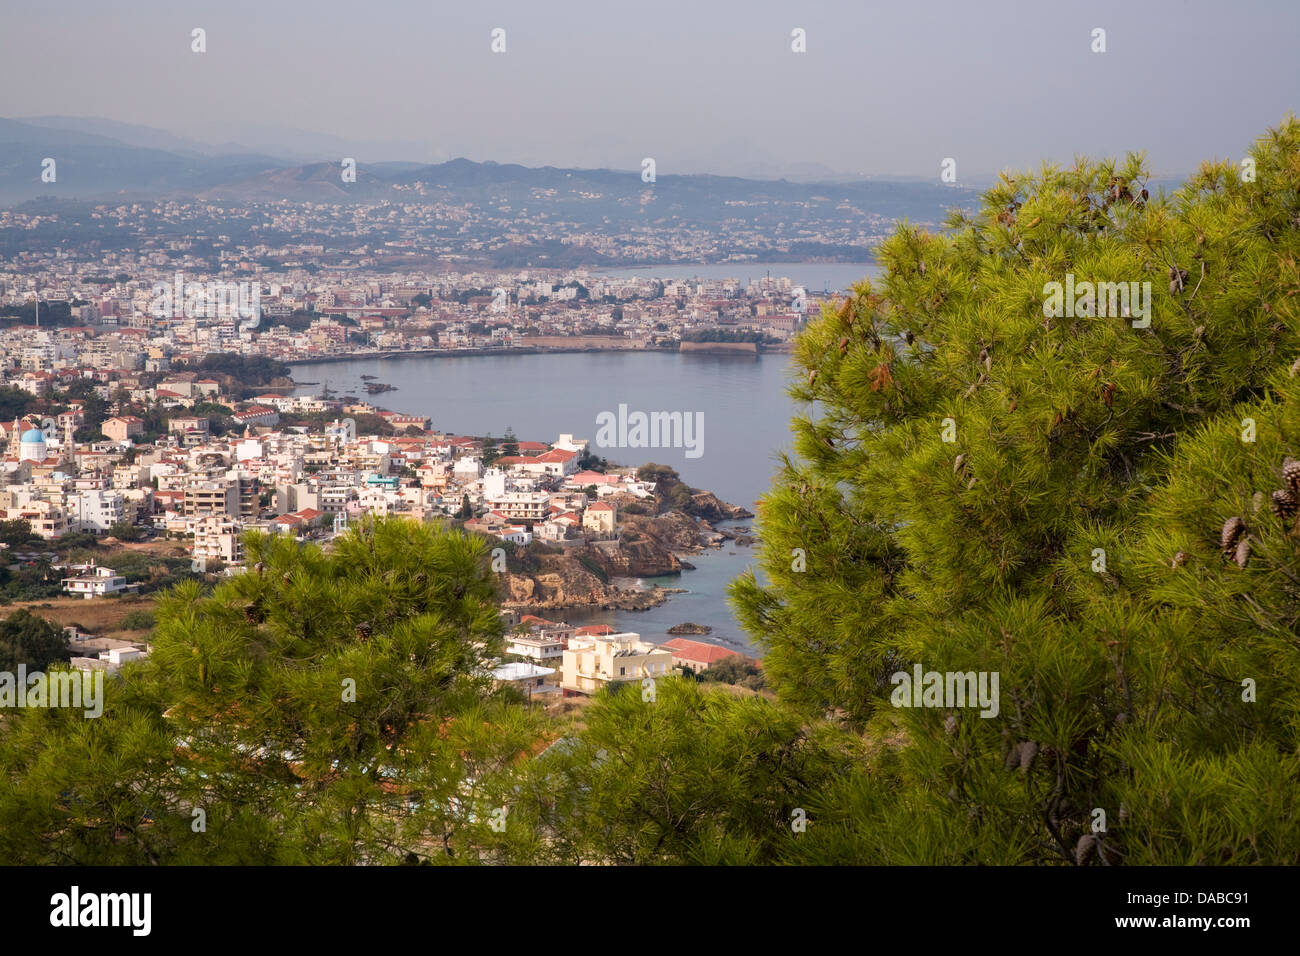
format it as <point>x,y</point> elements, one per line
<point>63,316</point>
<point>179,455</point>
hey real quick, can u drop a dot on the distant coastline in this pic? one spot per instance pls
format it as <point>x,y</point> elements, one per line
<point>717,347</point>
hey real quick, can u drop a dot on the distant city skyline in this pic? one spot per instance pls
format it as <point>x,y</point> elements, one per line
<point>698,87</point>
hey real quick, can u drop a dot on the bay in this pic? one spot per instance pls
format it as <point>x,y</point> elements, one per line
<point>746,414</point>
<point>743,402</point>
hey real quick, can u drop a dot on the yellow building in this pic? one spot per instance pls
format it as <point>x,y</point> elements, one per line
<point>592,662</point>
<point>600,518</point>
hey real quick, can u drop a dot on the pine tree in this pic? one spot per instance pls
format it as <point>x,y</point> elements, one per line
<point>986,487</point>
<point>684,774</point>
<point>321,707</point>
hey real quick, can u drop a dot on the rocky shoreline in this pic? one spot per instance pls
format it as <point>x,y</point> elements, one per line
<point>648,546</point>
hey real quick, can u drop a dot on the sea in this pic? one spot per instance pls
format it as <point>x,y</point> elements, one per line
<point>740,400</point>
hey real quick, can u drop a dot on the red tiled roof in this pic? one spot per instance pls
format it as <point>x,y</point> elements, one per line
<point>556,455</point>
<point>531,619</point>
<point>697,650</point>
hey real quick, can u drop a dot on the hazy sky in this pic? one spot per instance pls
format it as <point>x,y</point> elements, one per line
<point>706,85</point>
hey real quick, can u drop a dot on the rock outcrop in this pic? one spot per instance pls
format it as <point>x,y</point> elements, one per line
<point>648,546</point>
<point>707,505</point>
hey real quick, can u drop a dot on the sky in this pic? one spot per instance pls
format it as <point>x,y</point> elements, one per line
<point>704,86</point>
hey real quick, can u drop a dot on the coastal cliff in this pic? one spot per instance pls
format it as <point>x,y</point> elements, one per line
<point>648,545</point>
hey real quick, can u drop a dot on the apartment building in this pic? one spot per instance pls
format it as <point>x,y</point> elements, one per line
<point>542,640</point>
<point>593,661</point>
<point>211,496</point>
<point>526,507</point>
<point>48,519</point>
<point>217,538</point>
<point>96,510</point>
<point>234,495</point>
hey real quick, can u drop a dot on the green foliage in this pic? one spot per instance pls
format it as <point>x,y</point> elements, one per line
<point>727,335</point>
<point>657,473</point>
<point>14,403</point>
<point>138,620</point>
<point>591,564</point>
<point>30,640</point>
<point>94,408</point>
<point>736,669</point>
<point>692,776</point>
<point>247,370</point>
<point>320,708</point>
<point>125,531</point>
<point>17,533</point>
<point>1121,684</point>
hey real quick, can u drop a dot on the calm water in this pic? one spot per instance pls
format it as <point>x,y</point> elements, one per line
<point>746,413</point>
<point>746,421</point>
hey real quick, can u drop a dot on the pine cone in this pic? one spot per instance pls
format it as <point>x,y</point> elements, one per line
<point>1284,504</point>
<point>1179,559</point>
<point>1177,277</point>
<point>1243,552</point>
<point>1232,530</point>
<point>364,630</point>
<point>1291,474</point>
<point>1083,850</point>
<point>1013,758</point>
<point>1028,751</point>
<point>950,724</point>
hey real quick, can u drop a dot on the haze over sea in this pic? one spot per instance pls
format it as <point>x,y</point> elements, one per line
<point>746,424</point>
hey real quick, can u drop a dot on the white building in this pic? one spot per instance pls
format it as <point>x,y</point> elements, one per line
<point>96,510</point>
<point>528,678</point>
<point>541,642</point>
<point>95,581</point>
<point>526,506</point>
